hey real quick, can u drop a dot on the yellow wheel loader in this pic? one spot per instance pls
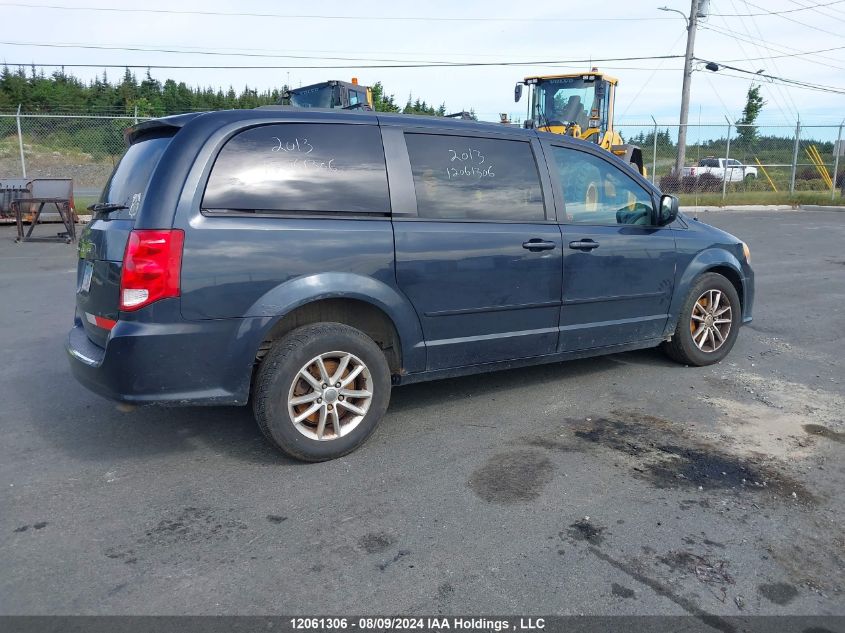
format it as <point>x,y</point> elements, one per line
<point>578,105</point>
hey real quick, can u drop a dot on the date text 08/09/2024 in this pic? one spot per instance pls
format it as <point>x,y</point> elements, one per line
<point>421,623</point>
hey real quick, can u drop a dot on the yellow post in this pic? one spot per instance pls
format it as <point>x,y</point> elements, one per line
<point>812,153</point>
<point>766,174</point>
<point>819,163</point>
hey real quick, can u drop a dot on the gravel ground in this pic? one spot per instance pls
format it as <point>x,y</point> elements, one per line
<point>617,485</point>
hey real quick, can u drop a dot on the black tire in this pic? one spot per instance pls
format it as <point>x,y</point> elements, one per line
<point>281,367</point>
<point>682,348</point>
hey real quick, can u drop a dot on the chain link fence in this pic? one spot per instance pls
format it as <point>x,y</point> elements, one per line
<point>765,164</point>
<point>747,164</point>
<point>84,148</point>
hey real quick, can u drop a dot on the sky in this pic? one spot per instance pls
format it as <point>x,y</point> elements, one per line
<point>379,33</point>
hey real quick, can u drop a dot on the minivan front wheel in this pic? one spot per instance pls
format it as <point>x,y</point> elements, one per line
<point>321,391</point>
<point>708,323</point>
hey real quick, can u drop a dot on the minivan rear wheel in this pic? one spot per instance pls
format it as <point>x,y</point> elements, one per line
<point>708,323</point>
<point>321,391</point>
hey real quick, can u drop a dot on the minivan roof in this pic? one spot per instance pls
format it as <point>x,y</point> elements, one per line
<point>322,114</point>
<point>216,118</point>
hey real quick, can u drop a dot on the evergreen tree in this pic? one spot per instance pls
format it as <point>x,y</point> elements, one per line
<point>383,102</point>
<point>746,130</point>
<point>61,92</point>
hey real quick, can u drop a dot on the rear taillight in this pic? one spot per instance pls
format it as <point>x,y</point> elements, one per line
<point>152,266</point>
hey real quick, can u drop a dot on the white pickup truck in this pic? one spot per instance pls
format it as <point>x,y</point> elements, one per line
<point>736,171</point>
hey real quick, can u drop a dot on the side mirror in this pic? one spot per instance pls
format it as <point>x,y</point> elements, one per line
<point>668,210</point>
<point>517,92</point>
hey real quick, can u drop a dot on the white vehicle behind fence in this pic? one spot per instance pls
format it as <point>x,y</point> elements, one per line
<point>736,171</point>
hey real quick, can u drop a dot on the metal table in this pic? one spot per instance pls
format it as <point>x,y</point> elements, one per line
<point>63,206</point>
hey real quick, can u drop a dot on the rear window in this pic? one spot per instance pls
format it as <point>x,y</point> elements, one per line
<point>301,167</point>
<point>128,182</point>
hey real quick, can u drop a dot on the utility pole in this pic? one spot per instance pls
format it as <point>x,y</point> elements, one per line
<point>692,24</point>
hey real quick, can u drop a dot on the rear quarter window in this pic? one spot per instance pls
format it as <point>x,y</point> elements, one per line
<point>308,167</point>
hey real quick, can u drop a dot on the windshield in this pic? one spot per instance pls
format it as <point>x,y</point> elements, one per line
<point>567,100</point>
<point>318,97</point>
<point>128,182</point>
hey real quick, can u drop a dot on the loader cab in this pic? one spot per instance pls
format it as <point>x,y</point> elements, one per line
<point>330,94</point>
<point>578,104</point>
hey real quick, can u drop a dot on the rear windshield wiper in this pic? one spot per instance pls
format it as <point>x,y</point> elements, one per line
<point>106,207</point>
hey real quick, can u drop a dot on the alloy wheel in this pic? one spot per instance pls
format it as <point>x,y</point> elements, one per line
<point>330,396</point>
<point>711,320</point>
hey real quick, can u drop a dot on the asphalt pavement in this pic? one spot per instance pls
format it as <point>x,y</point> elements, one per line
<point>625,484</point>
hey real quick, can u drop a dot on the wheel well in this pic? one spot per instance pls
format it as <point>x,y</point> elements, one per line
<point>731,275</point>
<point>361,315</point>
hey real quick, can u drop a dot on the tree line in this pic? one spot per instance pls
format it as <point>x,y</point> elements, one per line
<point>61,92</point>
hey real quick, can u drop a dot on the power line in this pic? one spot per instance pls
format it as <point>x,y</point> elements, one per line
<point>745,74</point>
<point>288,16</point>
<point>763,43</point>
<point>809,26</point>
<point>783,80</point>
<point>181,51</point>
<point>782,50</point>
<point>778,95</point>
<point>307,53</point>
<point>650,77</point>
<point>216,53</point>
<point>814,9</point>
<point>773,62</point>
<point>751,15</point>
<point>138,48</point>
<point>419,65</point>
<point>796,54</point>
<point>277,53</point>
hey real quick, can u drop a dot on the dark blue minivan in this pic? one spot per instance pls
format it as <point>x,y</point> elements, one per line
<point>306,261</point>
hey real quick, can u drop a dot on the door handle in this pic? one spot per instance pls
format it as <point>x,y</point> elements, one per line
<point>584,245</point>
<point>536,245</point>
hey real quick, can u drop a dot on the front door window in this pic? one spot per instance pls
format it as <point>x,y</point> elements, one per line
<point>597,192</point>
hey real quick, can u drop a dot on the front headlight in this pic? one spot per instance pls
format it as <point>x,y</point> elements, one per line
<point>747,252</point>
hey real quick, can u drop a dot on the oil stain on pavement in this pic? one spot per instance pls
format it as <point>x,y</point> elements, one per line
<point>513,477</point>
<point>779,593</point>
<point>376,542</point>
<point>583,530</point>
<point>660,452</point>
<point>190,525</point>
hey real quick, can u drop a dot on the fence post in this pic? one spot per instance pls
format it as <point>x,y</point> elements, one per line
<point>136,114</point>
<point>837,150</point>
<point>654,156</point>
<point>727,156</point>
<point>795,156</point>
<point>20,142</point>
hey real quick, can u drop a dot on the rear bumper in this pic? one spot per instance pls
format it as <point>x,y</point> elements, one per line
<point>187,363</point>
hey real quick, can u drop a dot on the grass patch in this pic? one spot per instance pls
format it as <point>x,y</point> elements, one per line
<point>762,197</point>
<point>81,204</point>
